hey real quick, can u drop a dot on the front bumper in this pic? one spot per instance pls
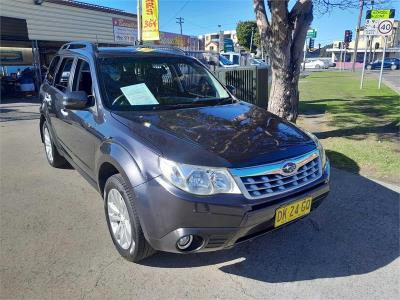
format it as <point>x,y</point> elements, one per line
<point>218,221</point>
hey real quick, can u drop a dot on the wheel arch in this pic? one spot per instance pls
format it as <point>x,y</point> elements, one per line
<point>112,159</point>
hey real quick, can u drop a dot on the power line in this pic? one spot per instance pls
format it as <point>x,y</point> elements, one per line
<point>178,11</point>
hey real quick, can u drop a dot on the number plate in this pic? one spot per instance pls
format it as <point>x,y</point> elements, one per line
<point>292,211</point>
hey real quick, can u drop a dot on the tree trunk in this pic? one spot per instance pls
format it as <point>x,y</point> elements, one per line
<point>284,38</point>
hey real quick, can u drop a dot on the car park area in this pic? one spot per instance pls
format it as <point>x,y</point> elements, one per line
<point>55,242</point>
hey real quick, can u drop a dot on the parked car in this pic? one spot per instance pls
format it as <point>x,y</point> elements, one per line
<point>388,63</point>
<point>258,62</point>
<point>182,165</point>
<point>232,56</point>
<point>315,64</point>
<point>226,63</point>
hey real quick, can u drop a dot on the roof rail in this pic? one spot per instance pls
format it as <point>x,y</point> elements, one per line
<point>163,47</point>
<point>80,45</point>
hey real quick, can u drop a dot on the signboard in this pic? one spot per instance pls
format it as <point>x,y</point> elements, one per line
<point>15,56</point>
<point>150,30</point>
<point>378,27</point>
<point>385,27</point>
<point>124,30</point>
<point>311,33</point>
<point>379,14</point>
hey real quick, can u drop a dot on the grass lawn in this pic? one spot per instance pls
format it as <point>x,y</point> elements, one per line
<point>358,128</point>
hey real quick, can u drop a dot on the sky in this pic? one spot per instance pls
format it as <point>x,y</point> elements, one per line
<point>204,16</point>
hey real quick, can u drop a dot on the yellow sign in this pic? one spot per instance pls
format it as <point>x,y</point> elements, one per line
<point>150,30</point>
<point>380,14</point>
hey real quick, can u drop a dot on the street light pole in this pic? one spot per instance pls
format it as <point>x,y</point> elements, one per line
<point>353,67</point>
<point>139,31</point>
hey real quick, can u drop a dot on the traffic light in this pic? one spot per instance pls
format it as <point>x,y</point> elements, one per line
<point>348,36</point>
<point>311,44</point>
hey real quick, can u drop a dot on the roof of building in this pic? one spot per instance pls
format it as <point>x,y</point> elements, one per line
<point>95,7</point>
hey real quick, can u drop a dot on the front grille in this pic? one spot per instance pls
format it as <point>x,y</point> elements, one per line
<point>273,181</point>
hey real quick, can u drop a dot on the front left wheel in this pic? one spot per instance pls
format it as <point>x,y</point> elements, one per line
<point>123,220</point>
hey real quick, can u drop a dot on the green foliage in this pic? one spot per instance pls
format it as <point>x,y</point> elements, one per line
<point>243,31</point>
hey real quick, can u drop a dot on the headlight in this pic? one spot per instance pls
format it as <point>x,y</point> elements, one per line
<point>320,148</point>
<point>198,180</point>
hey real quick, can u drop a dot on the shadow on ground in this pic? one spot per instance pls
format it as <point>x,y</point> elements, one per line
<point>389,130</point>
<point>355,231</point>
<point>19,109</point>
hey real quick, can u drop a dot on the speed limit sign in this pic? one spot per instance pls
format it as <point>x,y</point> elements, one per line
<point>385,27</point>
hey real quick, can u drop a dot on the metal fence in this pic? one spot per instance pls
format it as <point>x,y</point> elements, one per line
<point>251,83</point>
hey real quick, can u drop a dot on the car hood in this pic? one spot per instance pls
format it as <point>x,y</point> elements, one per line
<point>233,135</point>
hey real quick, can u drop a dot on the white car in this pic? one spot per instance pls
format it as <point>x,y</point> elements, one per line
<point>315,64</point>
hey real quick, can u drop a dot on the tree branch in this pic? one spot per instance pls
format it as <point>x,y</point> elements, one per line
<point>261,17</point>
<point>301,17</point>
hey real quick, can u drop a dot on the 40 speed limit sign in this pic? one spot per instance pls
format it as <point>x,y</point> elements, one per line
<point>385,27</point>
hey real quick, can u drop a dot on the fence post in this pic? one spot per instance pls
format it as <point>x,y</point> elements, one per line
<point>262,87</point>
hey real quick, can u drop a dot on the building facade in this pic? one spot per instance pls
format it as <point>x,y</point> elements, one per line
<point>32,31</point>
<point>211,40</point>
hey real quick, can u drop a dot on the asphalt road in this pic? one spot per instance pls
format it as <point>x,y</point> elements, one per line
<point>55,243</point>
<point>389,77</point>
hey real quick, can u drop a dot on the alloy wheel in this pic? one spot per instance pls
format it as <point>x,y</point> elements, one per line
<point>48,144</point>
<point>119,219</point>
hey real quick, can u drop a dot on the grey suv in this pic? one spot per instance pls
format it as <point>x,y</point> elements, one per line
<point>182,165</point>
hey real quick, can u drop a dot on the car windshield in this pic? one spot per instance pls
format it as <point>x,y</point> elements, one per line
<point>148,83</point>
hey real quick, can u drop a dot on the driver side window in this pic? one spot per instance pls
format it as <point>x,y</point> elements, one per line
<point>82,78</point>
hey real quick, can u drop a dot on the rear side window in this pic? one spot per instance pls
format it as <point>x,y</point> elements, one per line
<point>64,71</point>
<point>52,69</point>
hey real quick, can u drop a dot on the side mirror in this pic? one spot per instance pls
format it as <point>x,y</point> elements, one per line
<point>76,100</point>
<point>231,89</point>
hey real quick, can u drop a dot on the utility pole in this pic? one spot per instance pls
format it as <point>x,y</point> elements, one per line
<point>353,67</point>
<point>180,21</point>
<point>251,39</point>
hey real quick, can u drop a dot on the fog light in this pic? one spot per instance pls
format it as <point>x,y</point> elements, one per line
<point>184,242</point>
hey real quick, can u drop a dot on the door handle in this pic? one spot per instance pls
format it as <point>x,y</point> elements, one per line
<point>64,112</point>
<point>47,97</point>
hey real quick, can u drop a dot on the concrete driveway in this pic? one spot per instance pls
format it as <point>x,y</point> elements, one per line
<point>55,243</point>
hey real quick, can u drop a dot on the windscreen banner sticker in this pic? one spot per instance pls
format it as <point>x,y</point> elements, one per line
<point>139,94</point>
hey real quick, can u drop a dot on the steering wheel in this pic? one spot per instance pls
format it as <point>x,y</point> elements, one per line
<point>121,100</point>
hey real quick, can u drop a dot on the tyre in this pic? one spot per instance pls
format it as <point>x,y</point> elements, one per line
<point>393,67</point>
<point>368,67</point>
<point>54,158</point>
<point>317,66</point>
<point>123,220</point>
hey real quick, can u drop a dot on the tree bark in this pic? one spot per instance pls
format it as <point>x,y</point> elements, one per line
<point>284,38</point>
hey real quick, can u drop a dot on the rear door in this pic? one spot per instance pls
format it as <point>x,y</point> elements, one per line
<point>62,84</point>
<point>47,93</point>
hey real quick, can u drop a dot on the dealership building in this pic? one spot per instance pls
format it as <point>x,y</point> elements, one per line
<point>33,30</point>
